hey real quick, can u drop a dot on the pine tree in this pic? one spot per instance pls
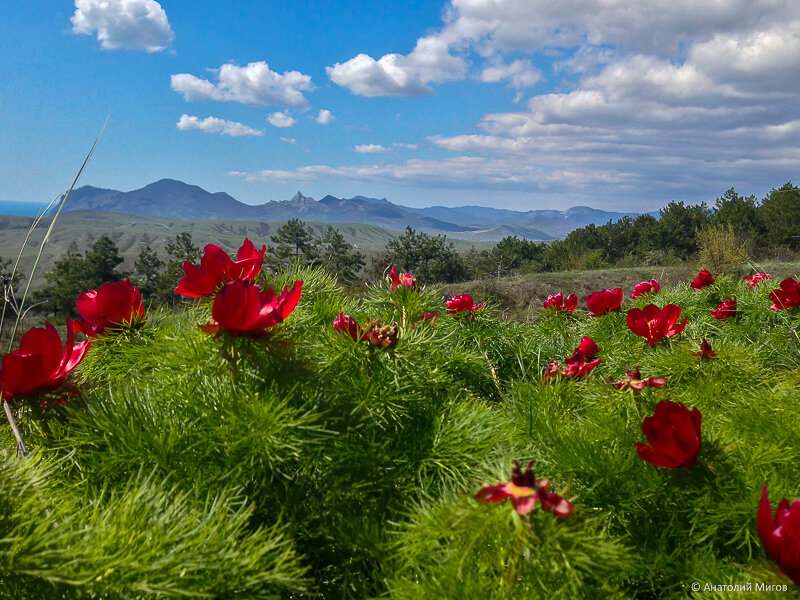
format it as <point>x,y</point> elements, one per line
<point>339,257</point>
<point>296,243</point>
<point>148,268</point>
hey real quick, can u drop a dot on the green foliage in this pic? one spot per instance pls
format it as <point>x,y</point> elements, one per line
<point>780,213</point>
<point>295,242</point>
<point>339,257</point>
<point>429,257</point>
<point>147,269</point>
<point>719,250</point>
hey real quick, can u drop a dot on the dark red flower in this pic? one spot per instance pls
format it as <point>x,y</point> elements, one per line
<point>40,363</point>
<point>401,281</point>
<point>645,287</point>
<point>705,352</point>
<point>653,323</point>
<point>787,295</point>
<point>347,325</point>
<point>524,490</point>
<point>216,268</point>
<point>428,316</point>
<point>575,368</point>
<point>673,433</point>
<point>781,534</point>
<point>635,381</point>
<point>704,279</point>
<point>756,278</point>
<point>461,304</point>
<point>725,310</point>
<point>380,335</point>
<point>114,304</point>
<point>588,348</point>
<point>558,303</point>
<point>241,309</point>
<point>599,303</point>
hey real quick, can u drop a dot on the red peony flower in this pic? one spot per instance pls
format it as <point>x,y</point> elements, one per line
<point>40,363</point>
<point>380,335</point>
<point>557,303</point>
<point>673,433</point>
<point>216,268</point>
<point>653,323</point>
<point>756,278</point>
<point>524,490</point>
<point>461,304</point>
<point>347,325</point>
<point>588,348</point>
<point>599,303</point>
<point>705,352</point>
<point>781,534</point>
<point>635,381</point>
<point>645,287</point>
<point>241,309</point>
<point>114,304</point>
<point>704,279</point>
<point>400,281</point>
<point>725,310</point>
<point>576,367</point>
<point>787,295</point>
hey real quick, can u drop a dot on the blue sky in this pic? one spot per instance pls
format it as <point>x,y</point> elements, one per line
<point>509,103</point>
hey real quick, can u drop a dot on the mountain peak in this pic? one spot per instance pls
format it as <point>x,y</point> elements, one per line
<point>298,197</point>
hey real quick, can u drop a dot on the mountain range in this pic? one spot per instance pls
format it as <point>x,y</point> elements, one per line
<point>173,199</point>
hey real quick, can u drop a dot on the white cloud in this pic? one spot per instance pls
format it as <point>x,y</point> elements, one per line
<point>520,74</point>
<point>325,117</point>
<point>288,140</point>
<point>215,125</point>
<point>408,146</point>
<point>130,24</point>
<point>370,148</point>
<point>254,84</point>
<point>400,75</point>
<point>281,119</point>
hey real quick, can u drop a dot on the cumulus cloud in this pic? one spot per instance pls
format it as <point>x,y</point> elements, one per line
<point>130,24</point>
<point>519,74</point>
<point>215,125</point>
<point>255,84</point>
<point>325,117</point>
<point>400,75</point>
<point>281,119</point>
<point>370,148</point>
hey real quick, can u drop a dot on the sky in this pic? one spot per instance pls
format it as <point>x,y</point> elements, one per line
<point>521,104</point>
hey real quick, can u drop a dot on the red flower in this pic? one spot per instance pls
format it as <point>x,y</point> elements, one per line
<point>673,433</point>
<point>399,281</point>
<point>114,304</point>
<point>645,287</point>
<point>557,303</point>
<point>588,348</point>
<point>781,534</point>
<point>462,303</point>
<point>635,381</point>
<point>216,267</point>
<point>602,302</point>
<point>756,278</point>
<point>347,325</point>
<point>40,363</point>
<point>428,316</point>
<point>704,279</point>
<point>575,368</point>
<point>240,308</point>
<point>380,335</point>
<point>705,352</point>
<point>653,323</point>
<point>787,296</point>
<point>524,490</point>
<point>725,310</point>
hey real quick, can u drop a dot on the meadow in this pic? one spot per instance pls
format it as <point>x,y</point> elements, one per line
<point>317,451</point>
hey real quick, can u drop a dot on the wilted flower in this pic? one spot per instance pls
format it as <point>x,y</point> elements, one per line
<point>756,278</point>
<point>575,368</point>
<point>673,433</point>
<point>787,295</point>
<point>241,309</point>
<point>725,310</point>
<point>781,534</point>
<point>599,303</point>
<point>216,268</point>
<point>645,287</point>
<point>400,281</point>
<point>347,325</point>
<point>704,279</point>
<point>380,335</point>
<point>653,323</point>
<point>705,352</point>
<point>41,363</point>
<point>635,381</point>
<point>461,304</point>
<point>114,304</point>
<point>524,490</point>
<point>558,303</point>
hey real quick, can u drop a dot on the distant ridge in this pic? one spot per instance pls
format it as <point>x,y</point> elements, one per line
<point>169,198</point>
